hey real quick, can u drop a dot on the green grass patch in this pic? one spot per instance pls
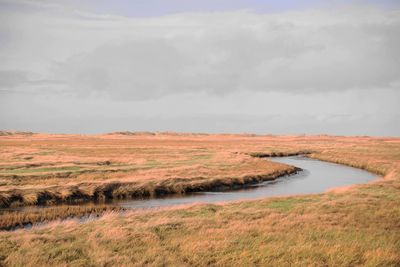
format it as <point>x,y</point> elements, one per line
<point>153,163</point>
<point>38,170</point>
<point>195,159</point>
<point>202,211</point>
<point>288,204</point>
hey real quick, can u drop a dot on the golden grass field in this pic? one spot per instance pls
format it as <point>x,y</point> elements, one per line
<point>356,226</point>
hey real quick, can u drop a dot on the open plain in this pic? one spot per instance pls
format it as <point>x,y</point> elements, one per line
<point>357,225</point>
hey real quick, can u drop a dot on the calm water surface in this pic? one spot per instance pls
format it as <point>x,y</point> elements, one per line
<point>316,177</point>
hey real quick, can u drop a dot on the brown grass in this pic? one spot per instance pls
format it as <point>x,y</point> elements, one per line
<point>357,227</point>
<point>51,169</point>
<point>14,219</point>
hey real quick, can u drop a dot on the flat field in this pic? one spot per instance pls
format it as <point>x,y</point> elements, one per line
<point>352,226</point>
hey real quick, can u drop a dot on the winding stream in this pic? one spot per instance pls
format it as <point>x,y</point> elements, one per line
<point>317,177</point>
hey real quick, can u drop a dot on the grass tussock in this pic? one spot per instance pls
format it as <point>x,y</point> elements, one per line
<point>279,154</point>
<point>123,190</point>
<point>14,219</point>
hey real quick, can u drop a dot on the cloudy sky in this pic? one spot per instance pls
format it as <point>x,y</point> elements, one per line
<point>237,66</point>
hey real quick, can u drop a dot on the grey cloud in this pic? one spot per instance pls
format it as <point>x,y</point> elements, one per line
<point>257,52</point>
<point>228,123</point>
<point>143,68</point>
<point>218,63</point>
<point>359,112</point>
<point>11,78</point>
<point>317,71</point>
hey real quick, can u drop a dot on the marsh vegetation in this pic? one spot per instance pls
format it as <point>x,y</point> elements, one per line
<point>352,226</point>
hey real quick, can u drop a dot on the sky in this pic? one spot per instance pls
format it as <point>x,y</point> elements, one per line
<point>216,66</point>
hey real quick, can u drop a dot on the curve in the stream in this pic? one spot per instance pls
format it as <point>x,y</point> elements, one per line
<point>317,177</point>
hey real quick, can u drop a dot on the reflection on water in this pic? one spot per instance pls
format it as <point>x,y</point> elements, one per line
<point>316,177</point>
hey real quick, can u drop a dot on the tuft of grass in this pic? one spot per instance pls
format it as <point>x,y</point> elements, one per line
<point>13,219</point>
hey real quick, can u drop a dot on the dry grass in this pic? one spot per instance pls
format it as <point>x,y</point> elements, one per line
<point>49,169</point>
<point>14,219</point>
<point>355,227</point>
